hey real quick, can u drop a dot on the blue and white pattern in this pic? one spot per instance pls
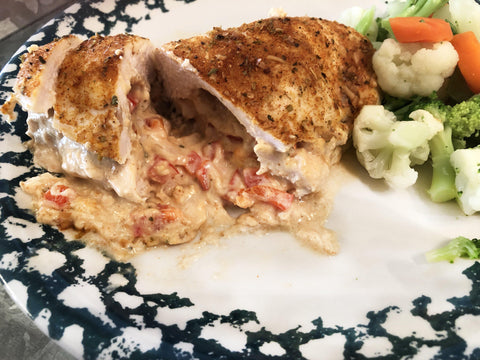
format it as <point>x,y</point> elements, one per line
<point>251,297</point>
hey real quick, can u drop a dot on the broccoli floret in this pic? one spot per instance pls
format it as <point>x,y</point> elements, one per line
<point>388,148</point>
<point>402,108</point>
<point>399,8</point>
<point>464,119</point>
<point>434,106</point>
<point>457,176</point>
<point>460,247</point>
<point>442,187</point>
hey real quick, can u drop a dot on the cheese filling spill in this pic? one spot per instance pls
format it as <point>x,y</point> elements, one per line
<point>185,179</point>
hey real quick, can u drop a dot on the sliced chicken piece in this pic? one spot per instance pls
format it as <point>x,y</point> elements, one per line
<point>79,96</point>
<point>35,88</point>
<point>92,89</point>
<point>295,84</point>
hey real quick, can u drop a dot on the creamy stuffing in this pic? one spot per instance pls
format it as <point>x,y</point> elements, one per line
<point>175,186</point>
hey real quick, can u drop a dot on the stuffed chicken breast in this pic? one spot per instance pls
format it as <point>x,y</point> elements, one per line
<point>232,131</point>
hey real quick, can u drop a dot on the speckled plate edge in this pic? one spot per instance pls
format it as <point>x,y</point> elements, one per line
<point>45,274</point>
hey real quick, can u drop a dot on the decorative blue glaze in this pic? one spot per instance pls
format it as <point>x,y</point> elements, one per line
<point>103,334</point>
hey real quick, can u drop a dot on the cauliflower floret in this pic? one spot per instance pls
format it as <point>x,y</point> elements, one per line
<point>466,163</point>
<point>388,148</point>
<point>404,70</point>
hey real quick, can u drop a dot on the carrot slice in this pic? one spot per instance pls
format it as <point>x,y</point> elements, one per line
<point>420,29</point>
<point>468,49</point>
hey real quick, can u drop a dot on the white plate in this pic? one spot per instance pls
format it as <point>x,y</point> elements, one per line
<point>257,297</point>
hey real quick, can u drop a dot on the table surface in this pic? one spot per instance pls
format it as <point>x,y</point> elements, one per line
<point>20,338</point>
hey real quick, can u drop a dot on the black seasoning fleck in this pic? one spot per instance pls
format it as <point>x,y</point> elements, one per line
<point>269,117</point>
<point>41,59</point>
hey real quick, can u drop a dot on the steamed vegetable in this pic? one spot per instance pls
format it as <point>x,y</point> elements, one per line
<point>379,28</point>
<point>405,70</point>
<point>405,8</point>
<point>468,48</point>
<point>466,163</point>
<point>442,187</point>
<point>425,47</point>
<point>461,130</point>
<point>409,8</point>
<point>464,15</point>
<point>460,247</point>
<point>403,107</point>
<point>441,147</point>
<point>464,119</point>
<point>361,20</point>
<point>388,148</point>
<point>420,29</point>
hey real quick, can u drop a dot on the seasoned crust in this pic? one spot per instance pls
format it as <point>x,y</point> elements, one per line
<point>91,94</point>
<point>35,85</point>
<point>33,65</point>
<point>78,97</point>
<point>302,80</point>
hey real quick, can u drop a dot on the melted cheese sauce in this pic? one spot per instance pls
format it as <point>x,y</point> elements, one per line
<point>183,180</point>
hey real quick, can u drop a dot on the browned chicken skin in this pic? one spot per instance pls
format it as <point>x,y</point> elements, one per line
<point>300,79</point>
<point>91,105</point>
<point>35,86</point>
